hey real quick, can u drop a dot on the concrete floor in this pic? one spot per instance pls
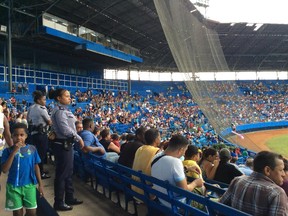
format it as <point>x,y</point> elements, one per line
<point>95,203</point>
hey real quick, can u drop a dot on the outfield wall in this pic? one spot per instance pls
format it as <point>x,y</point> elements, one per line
<point>250,128</point>
<point>255,127</point>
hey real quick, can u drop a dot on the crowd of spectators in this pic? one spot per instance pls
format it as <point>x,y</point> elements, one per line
<point>169,114</point>
<point>155,118</point>
<point>22,88</point>
<point>173,111</point>
<point>248,102</point>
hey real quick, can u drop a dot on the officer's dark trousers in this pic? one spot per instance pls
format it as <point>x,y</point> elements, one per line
<point>41,143</point>
<point>63,176</point>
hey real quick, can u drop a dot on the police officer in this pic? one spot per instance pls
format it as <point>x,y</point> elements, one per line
<point>38,121</point>
<point>65,132</point>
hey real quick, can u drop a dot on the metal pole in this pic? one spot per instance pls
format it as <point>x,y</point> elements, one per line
<point>10,43</point>
<point>5,61</point>
<point>34,65</point>
<point>129,81</point>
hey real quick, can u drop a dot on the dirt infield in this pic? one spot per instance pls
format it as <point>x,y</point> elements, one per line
<point>256,141</point>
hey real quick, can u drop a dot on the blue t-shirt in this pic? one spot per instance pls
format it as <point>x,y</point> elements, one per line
<point>90,139</point>
<point>22,170</point>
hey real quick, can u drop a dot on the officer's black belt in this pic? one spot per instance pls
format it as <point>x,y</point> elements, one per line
<point>59,141</point>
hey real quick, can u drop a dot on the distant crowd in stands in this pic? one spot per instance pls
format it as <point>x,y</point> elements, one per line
<point>168,114</point>
<point>123,113</point>
<point>249,102</point>
<point>21,88</point>
<point>246,102</point>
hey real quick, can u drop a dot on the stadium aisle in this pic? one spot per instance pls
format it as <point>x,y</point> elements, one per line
<point>94,202</point>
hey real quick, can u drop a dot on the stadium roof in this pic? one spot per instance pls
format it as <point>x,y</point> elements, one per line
<point>135,22</point>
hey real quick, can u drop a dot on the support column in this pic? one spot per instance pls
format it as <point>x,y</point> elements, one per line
<point>10,43</point>
<point>129,81</point>
<point>5,62</point>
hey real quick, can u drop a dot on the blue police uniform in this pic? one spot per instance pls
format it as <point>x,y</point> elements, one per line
<point>64,127</point>
<point>38,117</point>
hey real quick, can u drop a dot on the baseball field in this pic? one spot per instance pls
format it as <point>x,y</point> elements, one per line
<point>273,140</point>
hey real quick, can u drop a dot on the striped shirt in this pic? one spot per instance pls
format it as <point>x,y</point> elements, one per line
<point>256,195</point>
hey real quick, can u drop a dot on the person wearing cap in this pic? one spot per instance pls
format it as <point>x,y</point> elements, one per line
<point>259,193</point>
<point>226,172</point>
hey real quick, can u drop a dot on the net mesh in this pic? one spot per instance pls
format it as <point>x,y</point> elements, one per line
<point>196,48</point>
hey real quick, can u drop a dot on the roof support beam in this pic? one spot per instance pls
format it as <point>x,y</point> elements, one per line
<point>100,12</point>
<point>45,11</point>
<point>16,10</point>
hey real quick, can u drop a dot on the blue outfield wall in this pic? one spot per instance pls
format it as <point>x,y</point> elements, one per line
<point>256,127</point>
<point>253,127</point>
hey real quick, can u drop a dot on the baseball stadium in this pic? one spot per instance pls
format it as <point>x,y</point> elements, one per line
<point>141,75</point>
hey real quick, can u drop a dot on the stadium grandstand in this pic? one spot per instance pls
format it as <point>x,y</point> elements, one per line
<point>158,64</point>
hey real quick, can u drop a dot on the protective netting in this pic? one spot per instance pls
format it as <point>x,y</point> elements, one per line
<point>196,48</point>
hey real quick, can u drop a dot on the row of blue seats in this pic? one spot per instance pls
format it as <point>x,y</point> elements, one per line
<point>117,178</point>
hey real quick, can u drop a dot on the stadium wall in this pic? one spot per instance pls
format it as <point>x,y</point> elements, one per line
<point>225,134</point>
<point>255,127</point>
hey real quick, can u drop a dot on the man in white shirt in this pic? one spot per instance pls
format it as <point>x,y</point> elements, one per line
<point>168,167</point>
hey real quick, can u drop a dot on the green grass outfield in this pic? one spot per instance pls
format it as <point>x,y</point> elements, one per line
<point>279,144</point>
